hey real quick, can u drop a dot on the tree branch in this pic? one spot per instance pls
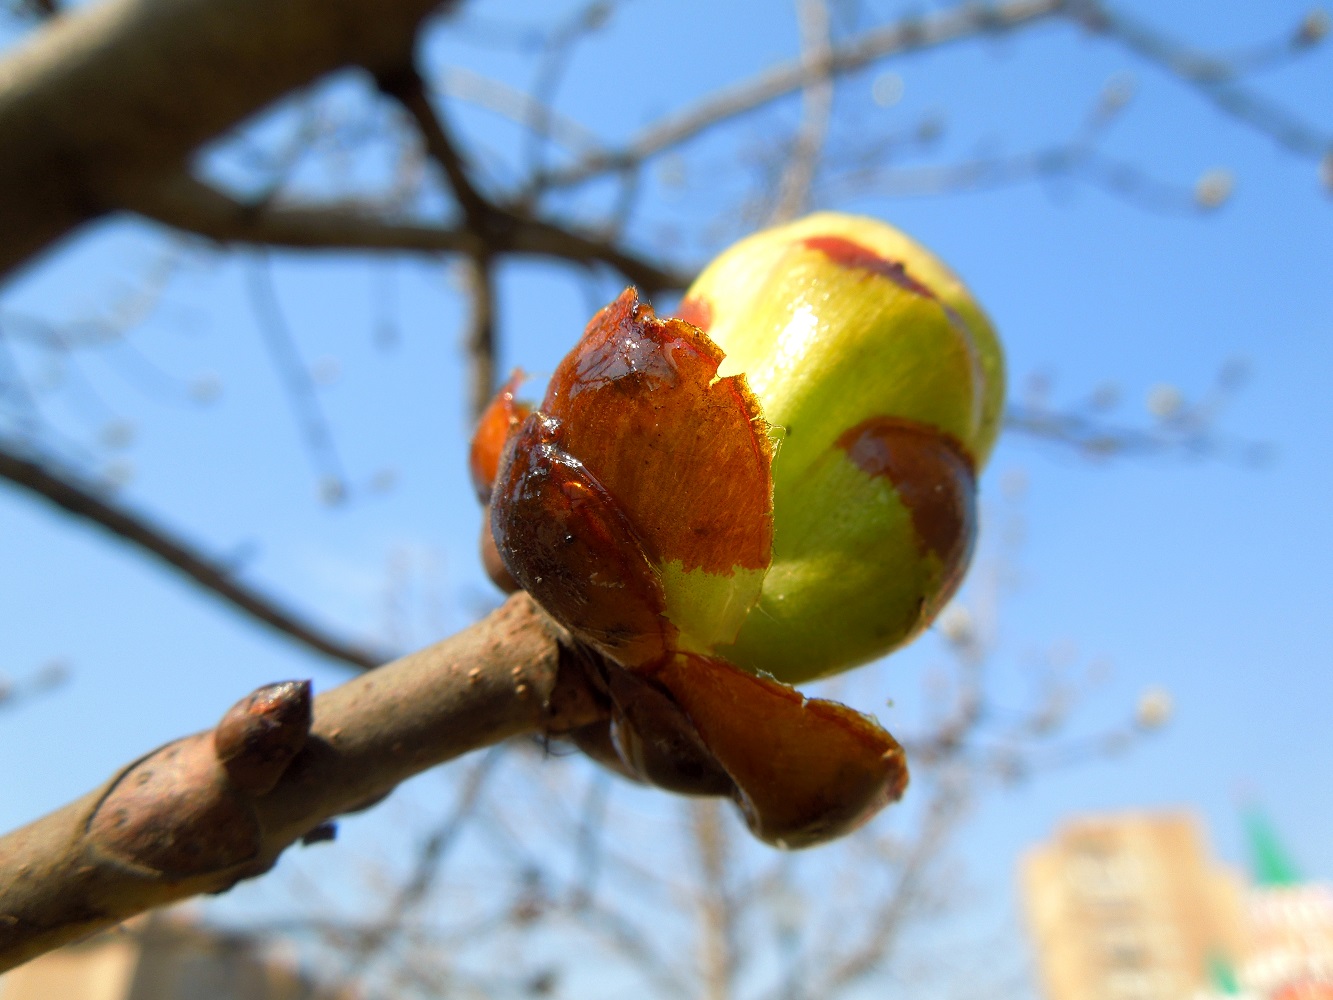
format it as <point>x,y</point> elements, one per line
<point>517,106</point>
<point>214,576</point>
<point>817,108</point>
<point>885,924</point>
<point>906,35</point>
<point>205,812</point>
<point>503,228</point>
<point>184,202</point>
<point>1214,77</point>
<point>479,278</point>
<point>717,911</point>
<point>408,89</point>
<point>114,95</point>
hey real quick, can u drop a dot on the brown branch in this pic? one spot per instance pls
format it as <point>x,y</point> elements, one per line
<point>485,219</point>
<point>1095,438</point>
<point>189,204</point>
<point>216,577</point>
<point>1214,77</point>
<point>885,924</point>
<point>817,102</point>
<point>501,228</point>
<point>209,810</point>
<point>40,8</point>
<point>110,96</point>
<point>717,910</point>
<point>517,106</point>
<point>363,943</point>
<point>407,88</point>
<point>907,35</point>
<point>479,280</point>
<point>1076,159</point>
<point>184,202</point>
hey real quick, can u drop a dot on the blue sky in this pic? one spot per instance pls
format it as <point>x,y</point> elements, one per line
<point>1208,577</point>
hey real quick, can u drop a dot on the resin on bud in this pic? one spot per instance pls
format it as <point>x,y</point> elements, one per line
<point>775,486</point>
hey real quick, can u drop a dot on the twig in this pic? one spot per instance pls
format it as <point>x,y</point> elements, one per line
<point>483,218</point>
<point>1215,78</point>
<point>406,86</point>
<point>663,967</point>
<point>717,911</point>
<point>1074,159</point>
<point>1101,439</point>
<point>558,49</point>
<point>479,282</point>
<point>14,388</point>
<point>516,105</point>
<point>907,35</point>
<point>187,203</point>
<point>588,839</point>
<point>496,227</point>
<point>48,678</point>
<point>817,104</point>
<point>296,381</point>
<point>207,811</point>
<point>64,490</point>
<point>433,852</point>
<point>40,9</point>
<point>885,925</point>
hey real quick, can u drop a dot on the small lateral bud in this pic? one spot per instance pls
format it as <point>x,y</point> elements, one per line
<point>261,733</point>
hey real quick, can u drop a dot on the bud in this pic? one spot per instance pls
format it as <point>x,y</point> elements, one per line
<point>883,383</point>
<point>1154,709</point>
<point>776,486</point>
<point>1214,188</point>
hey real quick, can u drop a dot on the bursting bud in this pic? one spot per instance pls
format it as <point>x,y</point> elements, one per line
<point>882,383</point>
<point>775,486</point>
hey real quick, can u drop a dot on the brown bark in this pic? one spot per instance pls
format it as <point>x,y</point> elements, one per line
<point>209,810</point>
<point>114,97</point>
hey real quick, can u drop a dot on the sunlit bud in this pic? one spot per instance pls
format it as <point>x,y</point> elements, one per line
<point>776,486</point>
<point>1154,708</point>
<point>1214,188</point>
<point>1165,401</point>
<point>1314,28</point>
<point>956,625</point>
<point>881,382</point>
<point>496,426</point>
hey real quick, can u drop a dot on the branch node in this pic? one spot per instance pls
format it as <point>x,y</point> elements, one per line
<point>175,814</point>
<point>261,733</point>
